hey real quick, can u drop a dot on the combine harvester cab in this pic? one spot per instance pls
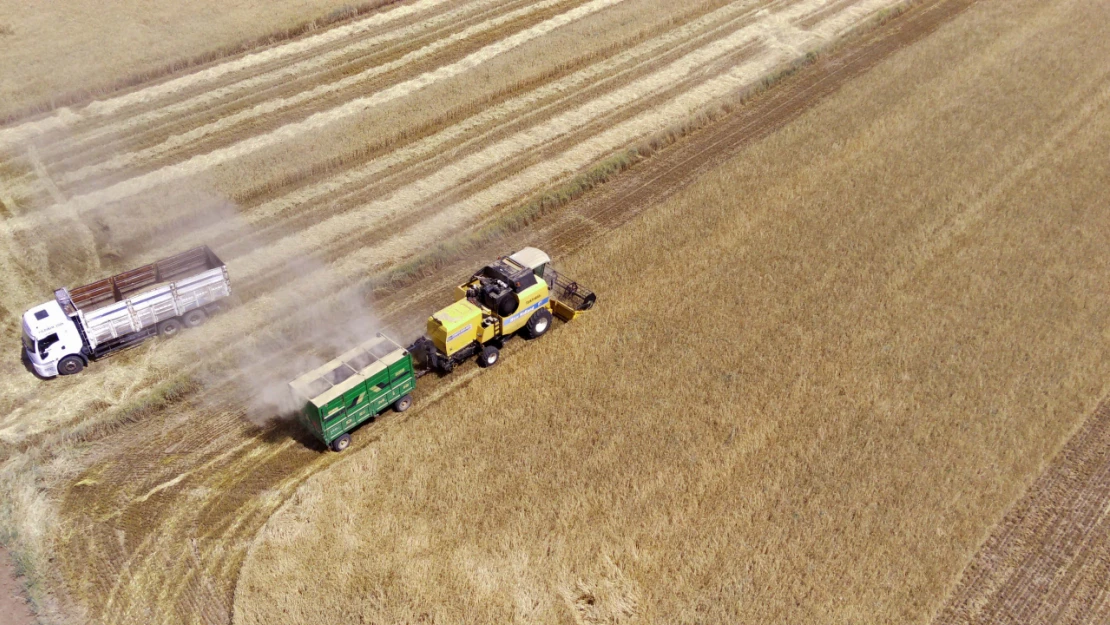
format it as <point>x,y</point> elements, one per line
<point>99,319</point>
<point>517,293</point>
<point>356,387</point>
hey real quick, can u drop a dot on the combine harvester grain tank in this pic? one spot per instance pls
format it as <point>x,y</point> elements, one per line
<point>99,319</point>
<point>516,294</point>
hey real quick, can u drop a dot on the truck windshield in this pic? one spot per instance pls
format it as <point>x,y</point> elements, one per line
<point>28,343</point>
<point>45,344</point>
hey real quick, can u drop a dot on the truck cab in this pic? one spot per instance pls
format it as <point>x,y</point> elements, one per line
<point>51,339</point>
<point>92,321</point>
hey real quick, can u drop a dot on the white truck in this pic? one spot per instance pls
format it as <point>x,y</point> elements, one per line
<point>98,319</point>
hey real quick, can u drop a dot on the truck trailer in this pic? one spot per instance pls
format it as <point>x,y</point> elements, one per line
<point>96,320</point>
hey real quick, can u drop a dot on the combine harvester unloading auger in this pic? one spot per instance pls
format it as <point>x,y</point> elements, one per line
<point>517,294</point>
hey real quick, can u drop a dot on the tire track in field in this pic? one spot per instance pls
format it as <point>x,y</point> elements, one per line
<point>1047,561</point>
<point>273,110</point>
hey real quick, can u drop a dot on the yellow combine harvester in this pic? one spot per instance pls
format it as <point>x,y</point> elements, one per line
<point>516,294</point>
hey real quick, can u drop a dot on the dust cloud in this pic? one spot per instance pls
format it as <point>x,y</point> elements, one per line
<point>305,322</point>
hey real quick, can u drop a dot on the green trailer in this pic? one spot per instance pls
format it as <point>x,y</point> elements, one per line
<point>354,388</point>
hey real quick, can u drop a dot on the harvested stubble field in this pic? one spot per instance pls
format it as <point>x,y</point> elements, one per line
<point>797,459</point>
<point>61,53</point>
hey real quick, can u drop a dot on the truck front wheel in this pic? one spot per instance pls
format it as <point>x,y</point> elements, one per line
<point>341,443</point>
<point>70,365</point>
<point>169,327</point>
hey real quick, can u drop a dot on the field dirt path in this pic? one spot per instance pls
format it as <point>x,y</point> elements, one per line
<point>1048,561</point>
<point>157,526</point>
<point>13,600</point>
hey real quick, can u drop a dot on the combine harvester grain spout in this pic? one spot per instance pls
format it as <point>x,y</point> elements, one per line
<point>517,294</point>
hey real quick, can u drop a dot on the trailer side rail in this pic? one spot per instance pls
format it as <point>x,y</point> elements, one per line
<point>120,286</point>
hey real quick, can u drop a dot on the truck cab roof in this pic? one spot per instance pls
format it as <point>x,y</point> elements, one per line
<point>43,320</point>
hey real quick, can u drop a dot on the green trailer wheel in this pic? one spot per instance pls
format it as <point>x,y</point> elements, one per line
<point>403,404</point>
<point>341,443</point>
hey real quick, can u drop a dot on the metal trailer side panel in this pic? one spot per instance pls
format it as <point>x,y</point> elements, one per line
<point>202,289</point>
<point>109,322</point>
<point>149,308</point>
<point>154,306</point>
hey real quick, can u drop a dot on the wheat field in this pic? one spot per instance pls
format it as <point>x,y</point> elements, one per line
<point>814,382</point>
<point>60,54</point>
<point>407,127</point>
